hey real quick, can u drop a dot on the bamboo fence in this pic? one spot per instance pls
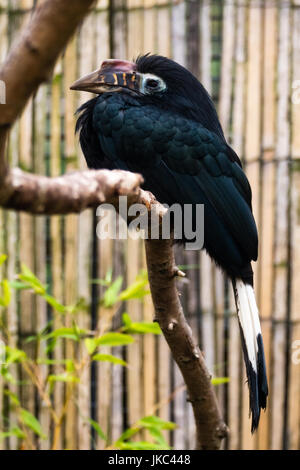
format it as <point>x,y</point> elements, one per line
<point>247,54</point>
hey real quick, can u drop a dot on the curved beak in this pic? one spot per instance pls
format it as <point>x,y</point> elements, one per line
<point>87,83</point>
<point>112,75</point>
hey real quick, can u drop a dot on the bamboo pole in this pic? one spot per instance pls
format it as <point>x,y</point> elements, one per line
<point>268,197</point>
<point>41,314</point>
<point>293,420</point>
<point>55,234</point>
<point>253,150</point>
<point>236,366</point>
<point>280,312</point>
<point>71,255</point>
<point>135,21</point>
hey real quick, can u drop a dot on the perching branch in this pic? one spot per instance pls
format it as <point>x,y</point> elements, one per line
<point>69,193</point>
<point>29,63</point>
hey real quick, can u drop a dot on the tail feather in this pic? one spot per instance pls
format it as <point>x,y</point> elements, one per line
<point>253,348</point>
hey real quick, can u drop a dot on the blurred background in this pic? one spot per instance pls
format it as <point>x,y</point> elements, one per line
<point>247,55</point>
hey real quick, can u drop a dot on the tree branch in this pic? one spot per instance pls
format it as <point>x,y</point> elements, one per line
<point>69,193</point>
<point>31,61</point>
<point>33,56</point>
<point>162,271</point>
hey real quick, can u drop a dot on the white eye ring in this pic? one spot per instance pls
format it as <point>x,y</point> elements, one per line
<point>146,87</point>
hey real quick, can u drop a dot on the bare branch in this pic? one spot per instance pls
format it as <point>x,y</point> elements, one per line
<point>162,271</point>
<point>69,193</point>
<point>32,59</point>
<point>33,56</point>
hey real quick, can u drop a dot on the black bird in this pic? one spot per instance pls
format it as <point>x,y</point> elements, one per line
<point>154,117</point>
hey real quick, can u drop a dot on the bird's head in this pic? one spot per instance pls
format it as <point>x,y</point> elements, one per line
<point>158,80</point>
<point>121,75</point>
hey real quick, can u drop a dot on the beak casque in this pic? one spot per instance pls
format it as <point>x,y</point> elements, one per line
<point>112,74</point>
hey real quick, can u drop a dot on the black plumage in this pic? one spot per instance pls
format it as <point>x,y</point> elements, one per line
<point>174,138</point>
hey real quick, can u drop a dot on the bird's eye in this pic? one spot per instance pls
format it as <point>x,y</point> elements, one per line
<point>152,83</point>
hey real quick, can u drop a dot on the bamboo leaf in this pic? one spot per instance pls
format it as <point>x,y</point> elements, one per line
<point>111,294</point>
<point>13,397</point>
<point>28,276</point>
<point>155,421</point>
<point>54,303</point>
<point>126,319</point>
<point>19,285</point>
<point>97,428</point>
<point>114,339</point>
<point>136,290</point>
<point>15,431</point>
<point>109,358</point>
<point>90,344</point>
<point>3,258</point>
<point>127,434</point>
<point>143,328</point>
<point>220,380</point>
<point>141,445</point>
<point>158,437</point>
<point>6,297</point>
<point>31,422</point>
<point>14,355</point>
<point>65,377</point>
<point>67,332</point>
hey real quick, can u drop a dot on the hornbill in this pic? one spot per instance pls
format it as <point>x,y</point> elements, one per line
<point>154,117</point>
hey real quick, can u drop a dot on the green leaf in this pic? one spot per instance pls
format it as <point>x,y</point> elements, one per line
<point>14,355</point>
<point>13,397</point>
<point>109,358</point>
<point>29,339</point>
<point>19,285</point>
<point>15,431</point>
<point>126,319</point>
<point>70,366</point>
<point>90,344</point>
<point>28,276</point>
<point>42,334</point>
<point>97,428</point>
<point>31,422</point>
<point>57,79</point>
<point>141,445</point>
<point>67,332</point>
<point>7,375</point>
<point>54,303</point>
<point>136,290</point>
<point>155,421</point>
<point>220,380</point>
<point>51,346</point>
<point>111,294</point>
<point>108,276</point>
<point>127,434</point>
<point>3,258</point>
<point>114,339</point>
<point>143,328</point>
<point>158,437</point>
<point>5,299</point>
<point>65,377</point>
